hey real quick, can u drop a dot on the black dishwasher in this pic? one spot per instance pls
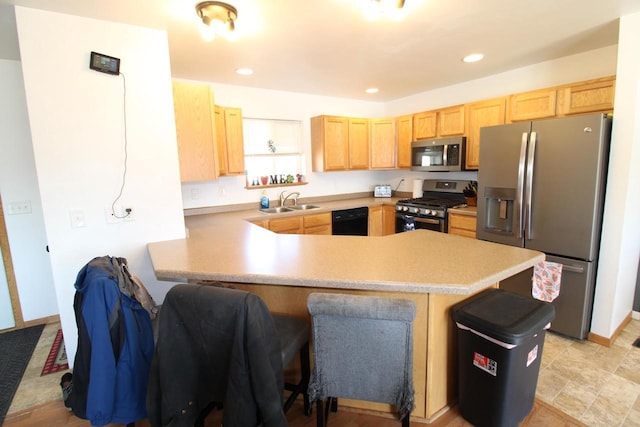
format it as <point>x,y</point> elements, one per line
<point>350,222</point>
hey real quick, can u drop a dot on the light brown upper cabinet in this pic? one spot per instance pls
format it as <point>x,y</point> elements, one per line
<point>405,136</point>
<point>339,143</point>
<point>538,104</point>
<point>358,143</point>
<point>330,143</point>
<point>479,114</point>
<point>451,121</point>
<point>425,125</point>
<point>444,122</point>
<point>592,96</point>
<point>229,140</point>
<point>195,131</point>
<point>383,143</point>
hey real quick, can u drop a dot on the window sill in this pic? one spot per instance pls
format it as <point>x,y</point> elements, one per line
<point>288,184</point>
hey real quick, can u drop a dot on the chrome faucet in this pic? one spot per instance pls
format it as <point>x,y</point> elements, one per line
<point>284,198</point>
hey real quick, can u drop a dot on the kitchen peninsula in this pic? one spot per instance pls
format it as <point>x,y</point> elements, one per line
<point>436,270</point>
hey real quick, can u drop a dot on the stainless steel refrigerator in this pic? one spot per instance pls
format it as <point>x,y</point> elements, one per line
<point>541,186</point>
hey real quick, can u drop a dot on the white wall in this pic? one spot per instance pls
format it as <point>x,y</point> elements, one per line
<point>588,65</point>
<point>620,248</point>
<point>18,183</point>
<point>78,135</point>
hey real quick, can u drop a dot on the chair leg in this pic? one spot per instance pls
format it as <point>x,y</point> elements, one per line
<point>320,419</point>
<point>305,372</point>
<point>303,385</point>
<point>334,404</point>
<point>405,421</point>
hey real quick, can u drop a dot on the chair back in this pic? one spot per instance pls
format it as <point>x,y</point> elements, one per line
<point>216,345</point>
<point>363,349</point>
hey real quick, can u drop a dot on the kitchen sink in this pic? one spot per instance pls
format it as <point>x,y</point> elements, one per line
<point>278,209</point>
<point>303,207</point>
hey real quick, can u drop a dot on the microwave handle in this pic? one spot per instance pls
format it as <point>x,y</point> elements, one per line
<point>445,150</point>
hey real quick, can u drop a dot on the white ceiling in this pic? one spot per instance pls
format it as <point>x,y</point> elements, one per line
<point>327,47</point>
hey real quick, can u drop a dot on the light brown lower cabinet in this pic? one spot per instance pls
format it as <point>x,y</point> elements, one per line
<point>382,220</point>
<point>462,224</point>
<point>288,225</point>
<point>319,223</point>
<point>262,223</point>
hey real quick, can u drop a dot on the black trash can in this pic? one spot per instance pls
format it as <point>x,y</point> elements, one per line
<point>500,340</point>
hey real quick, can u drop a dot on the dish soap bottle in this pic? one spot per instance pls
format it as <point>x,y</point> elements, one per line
<point>264,200</point>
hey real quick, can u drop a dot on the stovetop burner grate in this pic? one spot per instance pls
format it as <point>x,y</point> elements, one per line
<point>438,202</point>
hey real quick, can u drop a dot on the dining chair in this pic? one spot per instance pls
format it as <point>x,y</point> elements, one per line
<point>221,348</point>
<point>363,349</point>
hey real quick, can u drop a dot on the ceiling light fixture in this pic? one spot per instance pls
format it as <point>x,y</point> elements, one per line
<point>474,57</point>
<point>218,18</point>
<point>372,90</point>
<point>244,71</point>
<point>377,9</point>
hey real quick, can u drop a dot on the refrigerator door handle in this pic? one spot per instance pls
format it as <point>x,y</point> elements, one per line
<point>529,189</point>
<point>520,186</point>
<point>572,269</point>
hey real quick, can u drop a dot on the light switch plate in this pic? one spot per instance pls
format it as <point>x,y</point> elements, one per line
<point>77,218</point>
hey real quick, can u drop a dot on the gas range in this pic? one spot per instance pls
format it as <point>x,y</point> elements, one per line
<point>429,206</point>
<point>430,210</point>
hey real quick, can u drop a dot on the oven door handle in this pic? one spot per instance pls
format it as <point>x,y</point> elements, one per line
<point>426,220</point>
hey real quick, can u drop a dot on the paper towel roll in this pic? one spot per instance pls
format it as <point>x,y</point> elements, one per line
<point>417,188</point>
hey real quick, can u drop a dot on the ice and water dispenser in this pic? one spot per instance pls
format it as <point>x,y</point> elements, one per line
<point>499,209</point>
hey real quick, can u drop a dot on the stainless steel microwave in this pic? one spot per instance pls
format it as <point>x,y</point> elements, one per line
<point>438,155</point>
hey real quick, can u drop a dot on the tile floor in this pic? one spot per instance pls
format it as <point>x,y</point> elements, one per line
<point>599,386</point>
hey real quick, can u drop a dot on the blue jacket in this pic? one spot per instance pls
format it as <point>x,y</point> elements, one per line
<point>115,347</point>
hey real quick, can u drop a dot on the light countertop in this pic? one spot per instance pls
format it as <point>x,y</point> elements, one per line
<point>226,247</point>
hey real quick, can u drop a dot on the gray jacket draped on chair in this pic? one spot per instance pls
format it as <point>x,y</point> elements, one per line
<point>216,345</point>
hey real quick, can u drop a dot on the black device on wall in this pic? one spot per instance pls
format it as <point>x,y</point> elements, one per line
<point>104,63</point>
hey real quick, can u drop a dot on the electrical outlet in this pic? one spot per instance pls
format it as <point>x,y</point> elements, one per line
<point>112,214</point>
<point>19,208</point>
<point>128,213</point>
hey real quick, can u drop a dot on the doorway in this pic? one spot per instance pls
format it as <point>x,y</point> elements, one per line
<point>10,312</point>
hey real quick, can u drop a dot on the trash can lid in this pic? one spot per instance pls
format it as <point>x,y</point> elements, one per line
<point>504,315</point>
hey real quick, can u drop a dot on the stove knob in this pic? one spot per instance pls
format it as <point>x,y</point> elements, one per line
<point>399,208</point>
<point>424,211</point>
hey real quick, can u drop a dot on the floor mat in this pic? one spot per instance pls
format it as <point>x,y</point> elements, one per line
<point>16,348</point>
<point>57,359</point>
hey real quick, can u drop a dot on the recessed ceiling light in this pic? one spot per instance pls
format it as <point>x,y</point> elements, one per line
<point>474,57</point>
<point>372,90</point>
<point>244,71</point>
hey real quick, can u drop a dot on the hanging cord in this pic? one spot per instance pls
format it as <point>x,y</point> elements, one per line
<point>124,172</point>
